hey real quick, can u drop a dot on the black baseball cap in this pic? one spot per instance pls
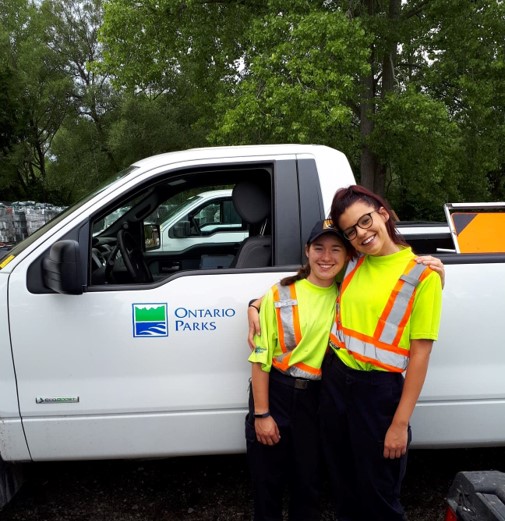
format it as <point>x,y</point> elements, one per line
<point>321,228</point>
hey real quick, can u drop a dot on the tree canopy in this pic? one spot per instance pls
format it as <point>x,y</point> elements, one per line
<point>411,91</point>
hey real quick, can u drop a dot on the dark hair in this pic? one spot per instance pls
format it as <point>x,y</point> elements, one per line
<point>345,197</point>
<point>302,273</point>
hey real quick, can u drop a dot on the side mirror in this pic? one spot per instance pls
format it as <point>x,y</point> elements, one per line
<point>62,268</point>
<point>151,236</point>
<point>180,230</point>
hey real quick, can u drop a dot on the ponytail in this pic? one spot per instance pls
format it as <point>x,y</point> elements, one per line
<point>302,273</point>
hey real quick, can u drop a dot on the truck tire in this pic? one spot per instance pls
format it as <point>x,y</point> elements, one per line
<point>11,479</point>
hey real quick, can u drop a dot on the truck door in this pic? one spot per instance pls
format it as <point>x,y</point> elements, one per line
<point>151,359</point>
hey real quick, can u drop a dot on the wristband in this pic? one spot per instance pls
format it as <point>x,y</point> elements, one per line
<point>263,415</point>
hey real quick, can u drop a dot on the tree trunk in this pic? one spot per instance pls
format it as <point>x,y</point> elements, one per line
<point>388,85</point>
<point>368,158</point>
<point>373,172</point>
<point>367,108</point>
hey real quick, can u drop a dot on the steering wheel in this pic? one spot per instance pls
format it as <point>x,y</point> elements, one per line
<point>133,257</point>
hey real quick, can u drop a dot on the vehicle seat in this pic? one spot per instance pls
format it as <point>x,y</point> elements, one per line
<point>252,203</point>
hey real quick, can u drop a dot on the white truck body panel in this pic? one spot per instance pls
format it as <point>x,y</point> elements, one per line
<point>79,380</point>
<point>466,379</point>
<point>8,400</point>
<point>12,440</point>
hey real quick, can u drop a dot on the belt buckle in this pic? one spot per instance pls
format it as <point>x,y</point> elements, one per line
<point>301,384</point>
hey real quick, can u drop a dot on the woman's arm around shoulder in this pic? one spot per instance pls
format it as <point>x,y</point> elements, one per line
<point>434,263</point>
<point>253,319</point>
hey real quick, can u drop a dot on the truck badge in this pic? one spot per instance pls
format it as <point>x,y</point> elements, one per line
<point>150,320</point>
<point>65,399</point>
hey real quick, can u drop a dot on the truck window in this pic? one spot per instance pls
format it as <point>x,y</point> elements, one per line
<point>165,228</point>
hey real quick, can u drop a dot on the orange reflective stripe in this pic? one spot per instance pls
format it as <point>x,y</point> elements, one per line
<point>404,320</point>
<point>284,367</point>
<point>382,349</point>
<point>425,273</point>
<point>289,333</point>
<point>376,363</point>
<point>336,341</point>
<point>308,368</point>
<point>349,275</point>
<point>347,278</point>
<point>408,310</point>
<point>389,306</point>
<point>391,301</point>
<point>282,363</point>
<point>377,343</point>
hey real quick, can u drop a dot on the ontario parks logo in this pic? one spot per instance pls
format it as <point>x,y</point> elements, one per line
<point>150,320</point>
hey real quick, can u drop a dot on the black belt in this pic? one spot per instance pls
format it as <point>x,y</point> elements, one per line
<point>297,383</point>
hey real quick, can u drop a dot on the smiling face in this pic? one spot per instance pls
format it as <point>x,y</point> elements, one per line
<point>373,240</point>
<point>327,255</point>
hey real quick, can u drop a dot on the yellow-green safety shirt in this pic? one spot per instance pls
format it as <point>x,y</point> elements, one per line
<point>316,308</point>
<point>366,296</point>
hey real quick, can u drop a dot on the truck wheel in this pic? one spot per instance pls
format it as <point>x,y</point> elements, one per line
<point>11,479</point>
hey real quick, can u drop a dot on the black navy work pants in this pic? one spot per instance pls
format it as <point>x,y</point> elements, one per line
<point>356,410</point>
<point>294,462</point>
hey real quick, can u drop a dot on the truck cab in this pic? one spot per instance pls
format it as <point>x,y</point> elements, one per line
<point>123,333</point>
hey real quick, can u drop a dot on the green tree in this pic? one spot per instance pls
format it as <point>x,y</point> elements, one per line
<point>81,157</point>
<point>411,91</point>
<point>429,105</point>
<point>146,126</point>
<point>299,82</point>
<point>11,127</point>
<point>467,65</point>
<point>43,92</point>
<point>184,50</point>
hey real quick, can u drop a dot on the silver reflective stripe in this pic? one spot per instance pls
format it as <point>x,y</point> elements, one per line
<point>280,358</point>
<point>401,303</point>
<point>285,304</point>
<point>376,353</point>
<point>296,372</point>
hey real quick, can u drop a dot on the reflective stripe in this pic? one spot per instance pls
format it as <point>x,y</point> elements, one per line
<point>290,335</point>
<point>286,307</point>
<point>337,339</point>
<point>371,353</point>
<point>395,316</point>
<point>382,349</point>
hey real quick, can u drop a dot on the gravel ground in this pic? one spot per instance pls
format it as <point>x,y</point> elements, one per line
<point>212,488</point>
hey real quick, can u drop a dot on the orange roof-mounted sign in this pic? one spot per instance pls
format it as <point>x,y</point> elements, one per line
<point>477,227</point>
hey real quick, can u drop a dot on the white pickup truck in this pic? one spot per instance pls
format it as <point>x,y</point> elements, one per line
<point>112,347</point>
<point>205,218</point>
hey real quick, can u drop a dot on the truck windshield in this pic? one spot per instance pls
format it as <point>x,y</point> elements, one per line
<point>18,248</point>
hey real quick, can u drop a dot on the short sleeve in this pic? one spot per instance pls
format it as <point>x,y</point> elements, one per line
<point>427,310</point>
<point>266,343</point>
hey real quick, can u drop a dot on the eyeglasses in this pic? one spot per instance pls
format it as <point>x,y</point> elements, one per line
<point>364,222</point>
